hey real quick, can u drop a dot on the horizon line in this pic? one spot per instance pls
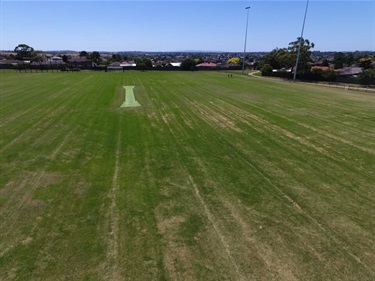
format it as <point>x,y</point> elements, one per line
<point>184,51</point>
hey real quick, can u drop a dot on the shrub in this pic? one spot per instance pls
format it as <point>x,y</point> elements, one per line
<point>367,77</point>
<point>266,70</point>
<point>329,75</point>
<point>188,64</point>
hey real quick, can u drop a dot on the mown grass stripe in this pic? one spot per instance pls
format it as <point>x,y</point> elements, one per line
<point>216,179</point>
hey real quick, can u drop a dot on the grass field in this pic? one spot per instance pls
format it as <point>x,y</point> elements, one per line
<point>212,178</point>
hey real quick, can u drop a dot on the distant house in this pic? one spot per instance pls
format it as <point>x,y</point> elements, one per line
<point>349,71</point>
<point>172,64</point>
<point>176,64</point>
<point>283,70</point>
<point>207,65</point>
<point>121,65</point>
<point>323,68</point>
<point>9,62</point>
<point>115,66</point>
<point>348,74</point>
<point>157,64</point>
<point>56,59</point>
<point>168,65</point>
<point>128,64</point>
<point>79,61</point>
<point>231,66</point>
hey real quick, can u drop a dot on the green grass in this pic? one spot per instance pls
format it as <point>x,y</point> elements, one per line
<point>212,178</point>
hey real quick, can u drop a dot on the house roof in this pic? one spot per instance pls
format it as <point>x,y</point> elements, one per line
<point>128,63</point>
<point>78,59</point>
<point>48,62</point>
<point>115,64</point>
<point>324,68</point>
<point>350,71</point>
<point>124,63</point>
<point>229,65</point>
<point>207,64</point>
<point>176,64</point>
<point>5,61</point>
<point>111,67</point>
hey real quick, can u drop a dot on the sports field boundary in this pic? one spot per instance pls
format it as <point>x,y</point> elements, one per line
<point>345,87</point>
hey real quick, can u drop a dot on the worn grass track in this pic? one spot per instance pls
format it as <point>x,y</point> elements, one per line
<point>212,178</point>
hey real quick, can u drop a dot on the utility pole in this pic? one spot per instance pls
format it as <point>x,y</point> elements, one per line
<point>244,49</point>
<point>300,44</point>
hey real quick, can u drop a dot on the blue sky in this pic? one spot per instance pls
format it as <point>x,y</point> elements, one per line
<point>185,25</point>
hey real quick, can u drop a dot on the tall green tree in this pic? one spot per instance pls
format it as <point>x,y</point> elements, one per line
<point>117,57</point>
<point>366,63</point>
<point>24,52</point>
<point>83,54</point>
<point>339,60</point>
<point>95,57</point>
<point>305,53</point>
<point>147,62</point>
<point>286,57</point>
<point>271,59</point>
<point>349,60</point>
<point>188,64</point>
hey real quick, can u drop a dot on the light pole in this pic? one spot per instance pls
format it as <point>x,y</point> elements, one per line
<point>300,44</point>
<point>244,49</point>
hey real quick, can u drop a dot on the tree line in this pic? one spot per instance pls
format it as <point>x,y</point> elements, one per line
<point>283,61</point>
<point>280,59</point>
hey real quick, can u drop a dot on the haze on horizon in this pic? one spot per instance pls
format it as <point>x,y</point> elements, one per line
<point>166,26</point>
